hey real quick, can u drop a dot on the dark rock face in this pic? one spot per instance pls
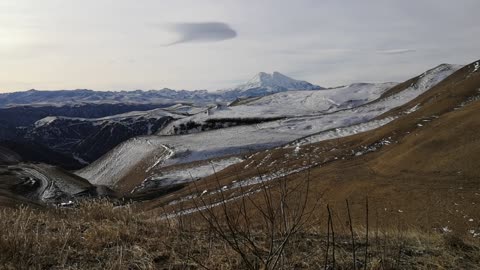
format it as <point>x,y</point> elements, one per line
<point>27,115</point>
<point>13,152</point>
<point>7,156</point>
<point>42,184</point>
<point>78,136</point>
<point>86,140</point>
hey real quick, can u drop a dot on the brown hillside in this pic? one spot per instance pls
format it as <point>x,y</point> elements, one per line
<point>426,175</point>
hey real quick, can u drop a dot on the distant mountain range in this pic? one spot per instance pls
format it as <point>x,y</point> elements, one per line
<point>132,147</point>
<point>84,96</point>
<point>82,125</point>
<point>260,85</point>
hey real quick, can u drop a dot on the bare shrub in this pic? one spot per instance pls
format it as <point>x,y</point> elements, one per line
<point>259,229</point>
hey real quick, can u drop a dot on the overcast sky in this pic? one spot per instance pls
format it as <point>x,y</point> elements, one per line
<point>213,44</point>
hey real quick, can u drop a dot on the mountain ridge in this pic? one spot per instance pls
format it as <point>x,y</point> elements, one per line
<point>260,85</point>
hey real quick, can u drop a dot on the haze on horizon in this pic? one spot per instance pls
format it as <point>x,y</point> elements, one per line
<point>187,44</point>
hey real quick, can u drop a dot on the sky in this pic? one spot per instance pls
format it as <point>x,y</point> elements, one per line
<point>216,44</point>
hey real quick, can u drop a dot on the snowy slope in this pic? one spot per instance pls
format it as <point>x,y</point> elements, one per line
<point>188,173</point>
<point>302,102</point>
<point>124,117</point>
<point>290,104</point>
<point>241,139</point>
<point>116,164</point>
<point>136,115</point>
<point>87,139</point>
<point>184,109</point>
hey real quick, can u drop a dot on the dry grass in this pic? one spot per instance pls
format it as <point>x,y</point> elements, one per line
<point>98,235</point>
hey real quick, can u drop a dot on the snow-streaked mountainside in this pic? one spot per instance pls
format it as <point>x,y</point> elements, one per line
<point>87,139</point>
<point>124,118</point>
<point>295,103</point>
<point>241,139</point>
<point>261,85</point>
<point>184,174</point>
<point>72,136</point>
<point>22,116</point>
<point>280,105</point>
<point>42,183</point>
<point>118,163</point>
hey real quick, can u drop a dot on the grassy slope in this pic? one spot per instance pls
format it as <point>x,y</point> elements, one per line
<point>98,236</point>
<point>427,179</point>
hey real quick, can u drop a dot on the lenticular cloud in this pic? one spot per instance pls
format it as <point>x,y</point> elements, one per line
<point>202,32</point>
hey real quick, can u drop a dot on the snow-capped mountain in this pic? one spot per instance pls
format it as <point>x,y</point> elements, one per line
<point>276,80</point>
<point>264,83</point>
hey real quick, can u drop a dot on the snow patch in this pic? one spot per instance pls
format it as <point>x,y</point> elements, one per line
<point>413,109</point>
<point>474,233</point>
<point>184,212</point>
<point>185,175</point>
<point>345,131</point>
<point>80,160</point>
<point>45,121</point>
<point>446,229</point>
<point>162,157</point>
<point>117,163</point>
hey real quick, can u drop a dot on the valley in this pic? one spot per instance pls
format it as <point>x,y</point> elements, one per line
<point>239,135</point>
<point>408,148</point>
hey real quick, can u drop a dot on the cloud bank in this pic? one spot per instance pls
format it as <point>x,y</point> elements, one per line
<point>202,32</point>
